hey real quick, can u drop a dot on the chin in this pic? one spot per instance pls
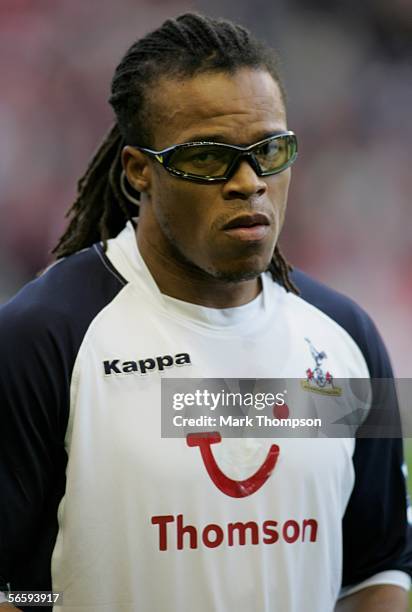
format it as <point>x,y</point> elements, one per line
<point>236,277</point>
<point>240,273</point>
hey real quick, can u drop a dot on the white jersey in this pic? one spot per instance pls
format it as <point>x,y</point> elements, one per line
<point>145,523</point>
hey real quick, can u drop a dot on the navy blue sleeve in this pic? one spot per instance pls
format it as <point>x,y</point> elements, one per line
<point>41,330</point>
<point>376,534</point>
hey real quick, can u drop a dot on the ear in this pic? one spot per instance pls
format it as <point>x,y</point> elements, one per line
<point>137,169</point>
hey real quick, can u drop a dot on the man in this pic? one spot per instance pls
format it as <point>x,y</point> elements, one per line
<point>95,504</point>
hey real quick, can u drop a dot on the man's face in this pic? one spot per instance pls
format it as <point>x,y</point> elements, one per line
<point>187,221</point>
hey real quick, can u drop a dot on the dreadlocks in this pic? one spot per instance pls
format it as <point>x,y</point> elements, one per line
<point>181,47</point>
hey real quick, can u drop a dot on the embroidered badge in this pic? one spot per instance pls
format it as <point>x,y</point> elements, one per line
<point>317,380</point>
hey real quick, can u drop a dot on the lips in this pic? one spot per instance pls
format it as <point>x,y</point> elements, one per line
<point>247,221</point>
<point>248,228</point>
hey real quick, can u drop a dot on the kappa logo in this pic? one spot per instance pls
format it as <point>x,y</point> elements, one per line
<point>144,366</point>
<point>228,486</point>
<point>317,380</point>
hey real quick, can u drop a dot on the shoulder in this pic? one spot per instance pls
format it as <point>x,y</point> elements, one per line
<point>58,306</point>
<point>349,316</point>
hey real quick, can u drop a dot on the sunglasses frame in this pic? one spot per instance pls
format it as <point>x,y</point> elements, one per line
<point>163,157</point>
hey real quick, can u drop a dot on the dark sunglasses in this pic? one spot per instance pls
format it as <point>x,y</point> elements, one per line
<point>208,162</point>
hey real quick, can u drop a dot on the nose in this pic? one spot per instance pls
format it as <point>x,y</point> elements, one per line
<point>244,183</point>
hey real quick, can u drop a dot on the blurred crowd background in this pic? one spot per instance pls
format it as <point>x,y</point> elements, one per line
<point>347,69</point>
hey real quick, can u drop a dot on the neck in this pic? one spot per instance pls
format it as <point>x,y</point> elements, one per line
<point>178,279</point>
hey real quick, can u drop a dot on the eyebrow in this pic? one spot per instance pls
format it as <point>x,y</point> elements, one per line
<point>223,139</point>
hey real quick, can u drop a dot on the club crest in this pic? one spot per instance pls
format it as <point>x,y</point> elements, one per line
<point>317,380</point>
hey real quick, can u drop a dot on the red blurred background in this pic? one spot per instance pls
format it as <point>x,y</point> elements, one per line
<point>347,68</point>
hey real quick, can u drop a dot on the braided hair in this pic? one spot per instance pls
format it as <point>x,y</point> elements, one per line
<point>183,47</point>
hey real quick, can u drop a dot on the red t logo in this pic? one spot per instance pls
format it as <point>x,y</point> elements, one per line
<point>233,488</point>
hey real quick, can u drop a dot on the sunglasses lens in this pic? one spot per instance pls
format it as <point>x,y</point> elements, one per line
<point>209,162</point>
<point>276,154</point>
<point>202,160</point>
